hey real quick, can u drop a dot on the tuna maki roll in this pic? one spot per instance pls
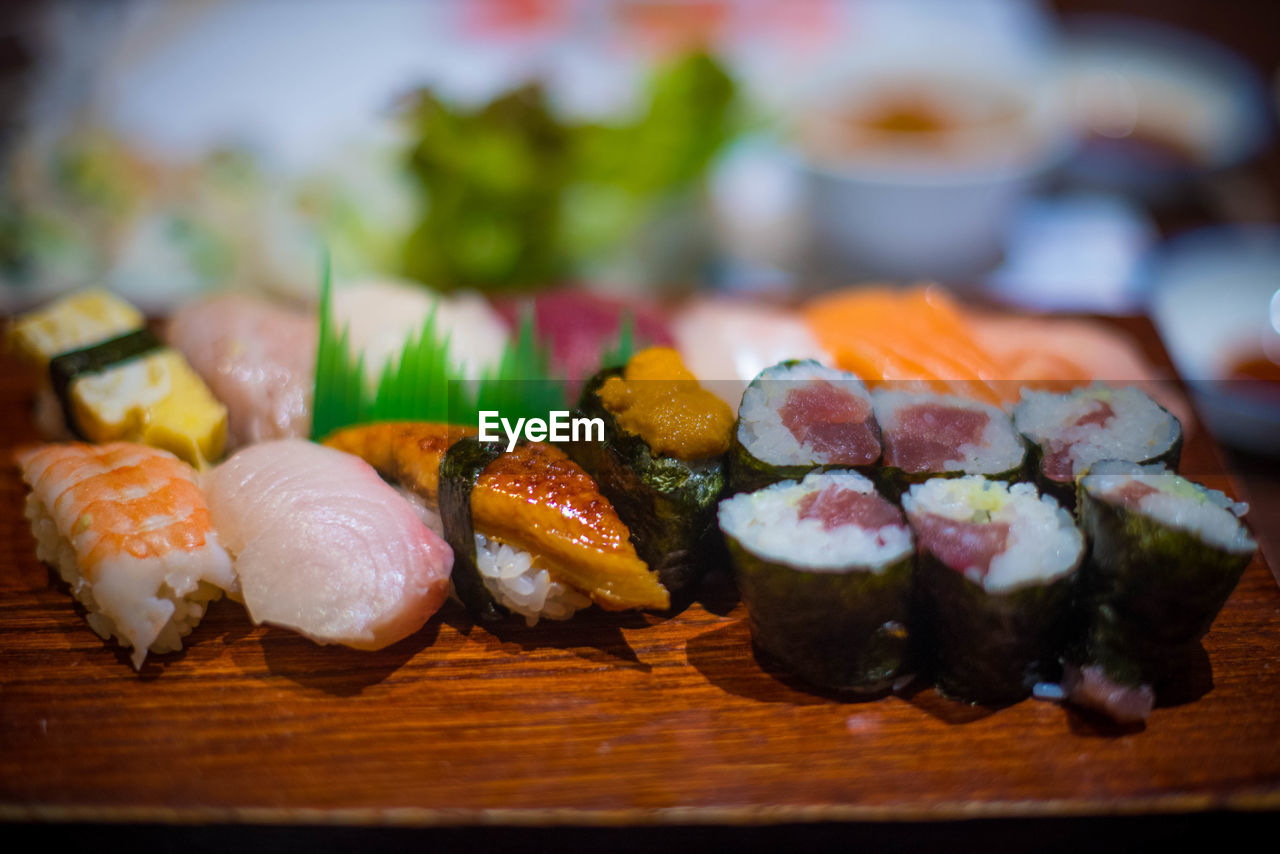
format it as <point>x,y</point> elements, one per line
<point>661,463</point>
<point>995,580</point>
<point>1166,555</point>
<point>1072,431</point>
<point>824,567</point>
<point>936,435</point>
<point>797,417</point>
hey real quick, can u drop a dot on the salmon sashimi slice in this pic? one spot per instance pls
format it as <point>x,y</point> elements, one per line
<point>920,335</point>
<point>128,529</point>
<point>534,498</point>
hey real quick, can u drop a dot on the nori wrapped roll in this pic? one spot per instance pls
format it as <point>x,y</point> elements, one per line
<point>662,460</point>
<point>1166,555</point>
<point>1069,432</point>
<point>995,582</point>
<point>797,417</point>
<point>824,567</point>
<point>929,435</point>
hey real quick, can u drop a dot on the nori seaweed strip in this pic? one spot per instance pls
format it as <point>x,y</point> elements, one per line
<point>64,369</point>
<point>1150,591</point>
<point>669,504</point>
<point>846,631</point>
<point>745,472</point>
<point>990,648</point>
<point>459,471</point>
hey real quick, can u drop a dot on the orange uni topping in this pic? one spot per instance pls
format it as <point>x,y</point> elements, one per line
<point>658,399</point>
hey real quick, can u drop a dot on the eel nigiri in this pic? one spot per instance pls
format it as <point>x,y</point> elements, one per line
<point>127,528</point>
<point>547,542</point>
<point>258,358</point>
<point>324,546</point>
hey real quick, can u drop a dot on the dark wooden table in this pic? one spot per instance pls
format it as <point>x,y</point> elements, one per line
<point>664,725</point>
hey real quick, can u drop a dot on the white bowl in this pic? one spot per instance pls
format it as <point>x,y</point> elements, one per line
<point>886,207</point>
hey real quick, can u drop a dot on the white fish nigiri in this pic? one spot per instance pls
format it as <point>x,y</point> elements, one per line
<point>324,546</point>
<point>259,360</point>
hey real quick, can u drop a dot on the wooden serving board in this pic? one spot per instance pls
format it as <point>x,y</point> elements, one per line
<point>607,719</point>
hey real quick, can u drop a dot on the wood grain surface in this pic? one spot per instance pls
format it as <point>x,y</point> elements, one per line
<point>608,719</point>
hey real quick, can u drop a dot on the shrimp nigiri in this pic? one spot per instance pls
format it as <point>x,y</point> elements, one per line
<point>127,528</point>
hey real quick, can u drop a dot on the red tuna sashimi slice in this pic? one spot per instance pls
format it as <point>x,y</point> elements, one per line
<point>836,506</point>
<point>930,434</point>
<point>579,327</point>
<point>961,545</point>
<point>834,422</point>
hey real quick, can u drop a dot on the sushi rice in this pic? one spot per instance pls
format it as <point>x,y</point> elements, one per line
<point>1043,543</point>
<point>180,585</point>
<point>768,523</point>
<point>510,575</point>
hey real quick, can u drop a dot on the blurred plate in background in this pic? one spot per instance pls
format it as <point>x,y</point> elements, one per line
<point>1216,302</point>
<point>1156,106</point>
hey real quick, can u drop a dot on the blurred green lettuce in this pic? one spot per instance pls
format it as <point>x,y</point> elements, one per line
<point>515,197</point>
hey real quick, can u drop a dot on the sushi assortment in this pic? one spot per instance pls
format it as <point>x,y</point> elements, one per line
<point>881,525</point>
<point>1001,590</point>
